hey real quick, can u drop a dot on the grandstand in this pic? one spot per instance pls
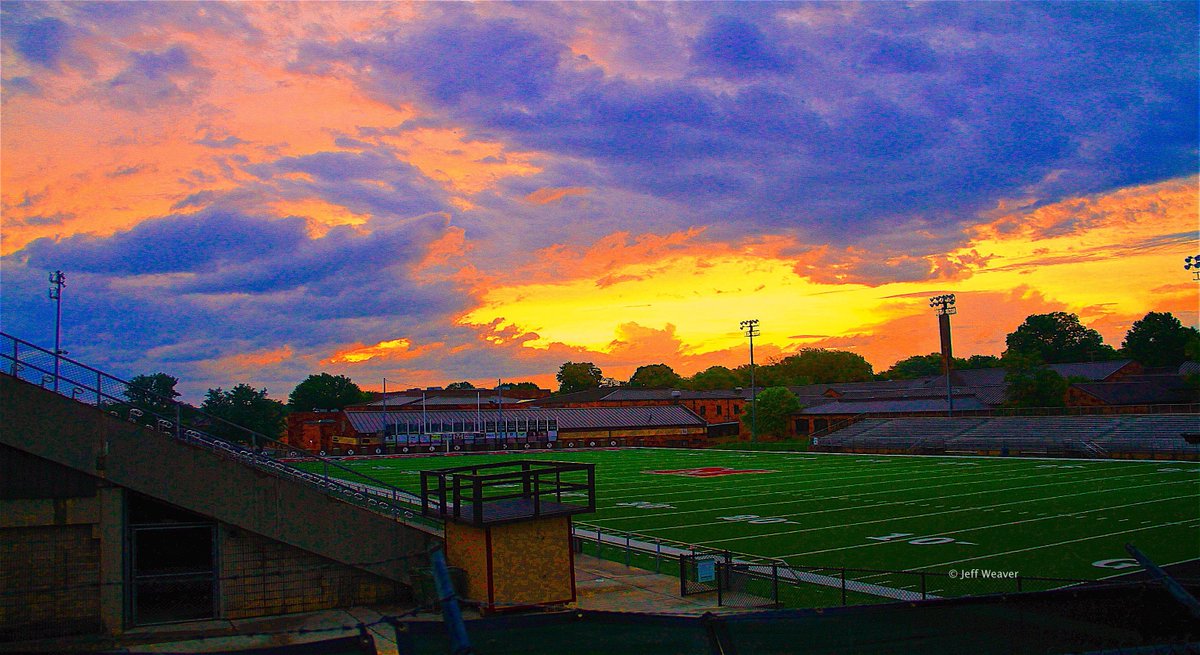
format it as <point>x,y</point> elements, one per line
<point>1142,436</point>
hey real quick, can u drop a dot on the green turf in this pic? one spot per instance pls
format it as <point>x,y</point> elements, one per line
<point>964,516</point>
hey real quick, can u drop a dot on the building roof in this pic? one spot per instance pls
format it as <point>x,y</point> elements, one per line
<point>568,418</point>
<point>1138,392</point>
<point>630,394</point>
<point>1094,371</point>
<point>961,403</point>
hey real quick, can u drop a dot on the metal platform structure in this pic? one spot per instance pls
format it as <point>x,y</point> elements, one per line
<point>508,492</point>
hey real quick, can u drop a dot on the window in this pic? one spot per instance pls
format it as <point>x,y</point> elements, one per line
<point>718,410</point>
<point>737,409</point>
<point>702,408</point>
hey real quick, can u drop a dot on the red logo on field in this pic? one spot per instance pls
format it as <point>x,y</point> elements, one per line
<point>709,471</point>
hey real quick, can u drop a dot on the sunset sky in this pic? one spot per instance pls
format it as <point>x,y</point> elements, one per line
<point>433,192</point>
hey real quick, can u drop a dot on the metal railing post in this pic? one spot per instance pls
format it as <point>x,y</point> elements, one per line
<point>722,571</point>
<point>627,540</point>
<point>843,586</point>
<point>657,555</point>
<point>178,422</point>
<point>682,576</point>
<point>922,585</point>
<point>775,583</point>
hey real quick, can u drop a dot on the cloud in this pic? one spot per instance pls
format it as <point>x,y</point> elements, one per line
<point>831,150</point>
<point>736,48</point>
<point>43,41</point>
<point>154,79</point>
<point>547,195</point>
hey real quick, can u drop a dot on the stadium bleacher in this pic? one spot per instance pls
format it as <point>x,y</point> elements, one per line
<point>1157,436</point>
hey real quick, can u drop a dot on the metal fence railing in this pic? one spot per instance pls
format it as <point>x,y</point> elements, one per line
<point>744,580</point>
<point>183,422</point>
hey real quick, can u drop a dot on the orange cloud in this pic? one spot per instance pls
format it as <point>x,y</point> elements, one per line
<point>446,249</point>
<point>461,165</point>
<point>393,350</point>
<point>259,358</point>
<point>548,195</point>
<point>319,214</point>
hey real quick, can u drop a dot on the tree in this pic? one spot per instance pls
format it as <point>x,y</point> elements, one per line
<point>1058,337</point>
<point>520,386</point>
<point>977,361</point>
<point>1031,384</point>
<point>246,407</point>
<point>655,376</point>
<point>578,376</point>
<point>1158,339</point>
<point>917,366</point>
<point>464,385</point>
<point>152,393</point>
<point>774,406</point>
<point>714,377</point>
<point>325,391</point>
<point>817,366</point>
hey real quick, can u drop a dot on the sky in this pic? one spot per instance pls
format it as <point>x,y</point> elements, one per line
<point>433,192</point>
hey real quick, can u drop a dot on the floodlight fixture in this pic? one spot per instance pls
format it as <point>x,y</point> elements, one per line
<point>1192,263</point>
<point>944,304</point>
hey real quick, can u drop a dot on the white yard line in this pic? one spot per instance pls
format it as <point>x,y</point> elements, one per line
<point>743,506</point>
<point>1060,543</point>
<point>1010,523</point>
<point>874,480</point>
<point>920,516</point>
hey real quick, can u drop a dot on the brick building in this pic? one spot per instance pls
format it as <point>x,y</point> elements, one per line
<point>722,407</point>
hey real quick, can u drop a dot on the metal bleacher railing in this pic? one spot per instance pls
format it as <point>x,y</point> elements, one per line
<point>183,422</point>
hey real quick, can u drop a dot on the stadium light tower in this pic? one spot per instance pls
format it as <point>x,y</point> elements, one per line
<point>57,282</point>
<point>943,305</point>
<point>750,327</point>
<point>1192,263</point>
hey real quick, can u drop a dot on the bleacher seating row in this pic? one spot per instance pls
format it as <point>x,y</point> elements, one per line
<point>1135,435</point>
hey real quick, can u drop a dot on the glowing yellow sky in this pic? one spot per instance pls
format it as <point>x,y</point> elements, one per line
<point>1102,257</point>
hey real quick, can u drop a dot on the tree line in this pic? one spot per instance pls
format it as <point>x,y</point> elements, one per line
<point>1158,339</point>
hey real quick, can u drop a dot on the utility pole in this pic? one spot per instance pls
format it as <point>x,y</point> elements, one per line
<point>944,306</point>
<point>751,329</point>
<point>57,282</point>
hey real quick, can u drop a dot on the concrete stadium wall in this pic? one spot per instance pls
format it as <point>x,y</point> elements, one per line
<point>270,528</point>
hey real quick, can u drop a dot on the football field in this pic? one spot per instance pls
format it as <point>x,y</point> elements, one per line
<point>965,516</point>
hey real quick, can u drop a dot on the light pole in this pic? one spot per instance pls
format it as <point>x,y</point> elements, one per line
<point>750,327</point>
<point>1192,263</point>
<point>944,306</point>
<point>57,282</point>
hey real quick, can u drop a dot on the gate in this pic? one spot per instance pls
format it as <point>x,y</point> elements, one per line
<point>698,573</point>
<point>736,583</point>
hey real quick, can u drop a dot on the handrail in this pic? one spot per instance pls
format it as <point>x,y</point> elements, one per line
<point>90,386</point>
